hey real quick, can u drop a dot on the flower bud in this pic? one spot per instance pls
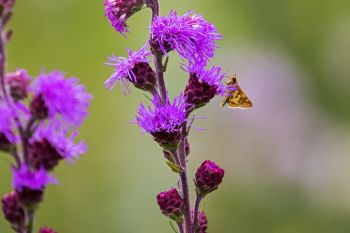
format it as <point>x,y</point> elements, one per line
<point>208,177</point>
<point>118,11</point>
<point>18,83</point>
<point>5,144</point>
<point>202,86</point>
<point>145,77</point>
<point>12,209</point>
<point>202,223</point>
<point>43,154</point>
<point>30,185</point>
<point>171,204</point>
<point>38,108</point>
<point>47,230</point>
<point>198,93</point>
<point>30,197</point>
<point>6,7</point>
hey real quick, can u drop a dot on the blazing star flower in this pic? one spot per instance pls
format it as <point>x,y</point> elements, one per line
<point>6,133</point>
<point>57,96</point>
<point>133,69</point>
<point>50,144</point>
<point>118,11</point>
<point>33,180</point>
<point>190,35</point>
<point>164,121</point>
<point>203,85</point>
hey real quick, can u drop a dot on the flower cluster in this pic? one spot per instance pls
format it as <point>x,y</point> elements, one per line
<point>38,136</point>
<point>169,122</point>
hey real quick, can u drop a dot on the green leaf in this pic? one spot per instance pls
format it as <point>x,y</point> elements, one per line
<point>175,168</point>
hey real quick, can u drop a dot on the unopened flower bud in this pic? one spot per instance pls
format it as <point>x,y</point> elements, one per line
<point>208,177</point>
<point>38,108</point>
<point>5,144</point>
<point>18,82</point>
<point>202,86</point>
<point>12,209</point>
<point>47,230</point>
<point>43,154</point>
<point>171,204</point>
<point>202,223</point>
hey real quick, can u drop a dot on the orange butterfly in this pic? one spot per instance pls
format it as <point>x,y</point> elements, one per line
<point>236,98</point>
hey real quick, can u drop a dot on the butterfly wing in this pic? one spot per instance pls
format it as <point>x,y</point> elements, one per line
<point>236,98</point>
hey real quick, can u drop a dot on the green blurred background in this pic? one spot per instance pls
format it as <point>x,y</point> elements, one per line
<point>286,160</point>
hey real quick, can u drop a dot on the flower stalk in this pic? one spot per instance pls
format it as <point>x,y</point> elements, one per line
<point>169,122</point>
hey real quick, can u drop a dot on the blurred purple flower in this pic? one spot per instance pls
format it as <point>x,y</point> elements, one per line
<point>6,126</point>
<point>62,96</point>
<point>33,180</point>
<point>58,139</point>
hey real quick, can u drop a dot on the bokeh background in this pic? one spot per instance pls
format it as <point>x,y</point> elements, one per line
<point>287,160</point>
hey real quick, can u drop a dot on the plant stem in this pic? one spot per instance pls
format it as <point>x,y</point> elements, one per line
<point>30,215</point>
<point>158,63</point>
<point>181,228</point>
<point>184,182</point>
<point>196,211</point>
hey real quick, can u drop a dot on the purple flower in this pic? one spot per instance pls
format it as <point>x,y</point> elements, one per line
<point>12,209</point>
<point>127,69</point>
<point>18,82</point>
<point>60,96</point>
<point>24,178</point>
<point>171,204</point>
<point>118,11</point>
<point>47,230</point>
<point>164,121</point>
<point>190,35</point>
<point>208,177</point>
<point>57,137</point>
<point>203,85</point>
<point>6,127</point>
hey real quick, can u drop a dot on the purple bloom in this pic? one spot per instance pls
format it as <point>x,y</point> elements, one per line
<point>18,82</point>
<point>203,85</point>
<point>208,177</point>
<point>164,121</point>
<point>171,204</point>
<point>65,146</point>
<point>118,11</point>
<point>24,178</point>
<point>190,35</point>
<point>60,96</point>
<point>124,67</point>
<point>6,126</point>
